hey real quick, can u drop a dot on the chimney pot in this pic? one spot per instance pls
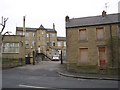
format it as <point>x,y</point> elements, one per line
<point>53,26</point>
<point>104,13</point>
<point>67,19</point>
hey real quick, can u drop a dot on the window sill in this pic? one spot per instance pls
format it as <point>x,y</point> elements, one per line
<point>10,53</point>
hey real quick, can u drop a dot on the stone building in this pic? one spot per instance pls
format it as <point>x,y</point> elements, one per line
<point>13,50</point>
<point>93,43</point>
<point>61,42</point>
<point>43,39</point>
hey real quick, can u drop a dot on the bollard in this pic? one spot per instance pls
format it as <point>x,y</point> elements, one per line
<point>61,58</point>
<point>33,57</point>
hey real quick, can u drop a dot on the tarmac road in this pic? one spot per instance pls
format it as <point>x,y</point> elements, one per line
<point>44,75</point>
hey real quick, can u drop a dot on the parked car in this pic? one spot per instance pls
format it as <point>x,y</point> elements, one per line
<point>55,58</point>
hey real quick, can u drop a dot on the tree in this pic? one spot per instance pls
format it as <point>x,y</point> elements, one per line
<point>4,20</point>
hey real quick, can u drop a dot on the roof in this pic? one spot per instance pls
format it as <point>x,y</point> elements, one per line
<point>34,29</point>
<point>61,38</point>
<point>27,29</point>
<point>93,20</point>
<point>51,30</point>
<point>41,27</point>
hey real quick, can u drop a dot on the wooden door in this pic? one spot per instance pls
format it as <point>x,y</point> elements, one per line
<point>102,57</point>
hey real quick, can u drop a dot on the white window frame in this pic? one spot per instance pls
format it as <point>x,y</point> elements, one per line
<point>27,34</point>
<point>10,47</point>
<point>47,35</point>
<point>59,44</point>
<point>64,44</point>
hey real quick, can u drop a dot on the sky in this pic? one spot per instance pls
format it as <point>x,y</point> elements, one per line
<point>47,12</point>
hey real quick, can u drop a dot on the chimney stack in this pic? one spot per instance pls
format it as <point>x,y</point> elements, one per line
<point>24,30</point>
<point>104,13</point>
<point>67,19</point>
<point>53,26</point>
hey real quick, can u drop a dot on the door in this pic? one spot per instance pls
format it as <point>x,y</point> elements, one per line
<point>102,57</point>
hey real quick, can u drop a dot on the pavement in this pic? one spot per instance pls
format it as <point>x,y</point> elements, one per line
<point>64,72</point>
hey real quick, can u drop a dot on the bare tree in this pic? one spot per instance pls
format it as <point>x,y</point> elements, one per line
<point>4,20</point>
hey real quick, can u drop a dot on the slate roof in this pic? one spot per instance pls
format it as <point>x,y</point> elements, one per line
<point>34,29</point>
<point>51,30</point>
<point>27,29</point>
<point>61,38</point>
<point>41,27</point>
<point>93,20</point>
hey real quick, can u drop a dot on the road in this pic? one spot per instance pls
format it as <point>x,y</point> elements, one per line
<point>44,75</point>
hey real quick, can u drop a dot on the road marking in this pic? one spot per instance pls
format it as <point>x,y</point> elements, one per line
<point>28,86</point>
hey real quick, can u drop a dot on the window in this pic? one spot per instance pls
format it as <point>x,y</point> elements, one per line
<point>11,48</point>
<point>53,35</point>
<point>27,42</point>
<point>47,35</point>
<point>83,55</point>
<point>100,33</point>
<point>42,32</point>
<point>33,43</point>
<point>53,43</point>
<point>43,38</point>
<point>33,34</point>
<point>39,38</point>
<point>27,34</point>
<point>48,43</point>
<point>59,43</point>
<point>64,44</point>
<point>83,34</point>
<point>19,33</point>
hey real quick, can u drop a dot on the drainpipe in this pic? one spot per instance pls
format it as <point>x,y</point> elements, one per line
<point>111,45</point>
<point>118,45</point>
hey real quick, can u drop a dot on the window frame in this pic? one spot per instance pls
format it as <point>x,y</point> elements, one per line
<point>59,45</point>
<point>53,43</point>
<point>10,47</point>
<point>103,34</point>
<point>86,35</point>
<point>27,34</point>
<point>80,61</point>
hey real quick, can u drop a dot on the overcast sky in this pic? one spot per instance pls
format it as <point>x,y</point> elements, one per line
<point>47,12</point>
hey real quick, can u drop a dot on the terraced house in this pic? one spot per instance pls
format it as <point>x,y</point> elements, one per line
<point>93,43</point>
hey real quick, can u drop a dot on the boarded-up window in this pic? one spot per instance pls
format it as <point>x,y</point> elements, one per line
<point>83,55</point>
<point>102,56</point>
<point>100,33</point>
<point>83,34</point>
